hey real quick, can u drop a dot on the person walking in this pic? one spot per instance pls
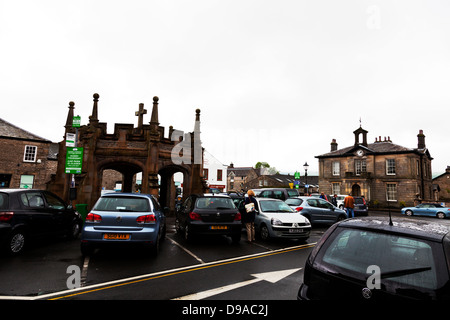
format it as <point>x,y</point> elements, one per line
<point>251,208</point>
<point>349,205</point>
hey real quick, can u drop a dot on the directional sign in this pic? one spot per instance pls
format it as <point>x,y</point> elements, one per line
<point>297,175</point>
<point>271,277</point>
<point>74,160</point>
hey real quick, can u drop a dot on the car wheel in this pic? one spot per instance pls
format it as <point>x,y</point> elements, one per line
<point>154,250</point>
<point>264,232</point>
<point>86,249</point>
<point>74,231</point>
<point>409,213</point>
<point>440,215</point>
<point>178,226</point>
<point>236,238</point>
<point>16,242</point>
<point>187,233</point>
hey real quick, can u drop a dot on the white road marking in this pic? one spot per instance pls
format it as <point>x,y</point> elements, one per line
<point>272,277</point>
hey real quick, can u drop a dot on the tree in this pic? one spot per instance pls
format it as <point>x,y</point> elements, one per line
<point>267,169</point>
<point>259,165</point>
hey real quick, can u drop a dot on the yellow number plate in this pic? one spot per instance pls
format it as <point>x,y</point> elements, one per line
<point>116,236</point>
<point>219,227</point>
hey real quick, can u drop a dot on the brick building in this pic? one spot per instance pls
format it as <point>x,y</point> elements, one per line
<point>383,172</point>
<point>26,160</point>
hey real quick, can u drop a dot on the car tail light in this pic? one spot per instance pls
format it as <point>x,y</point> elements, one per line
<point>92,217</point>
<point>364,201</point>
<point>6,216</point>
<point>298,209</point>
<point>148,218</point>
<point>237,217</point>
<point>194,216</point>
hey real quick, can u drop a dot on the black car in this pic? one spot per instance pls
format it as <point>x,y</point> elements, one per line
<point>278,193</point>
<point>209,215</point>
<point>360,208</point>
<point>26,214</point>
<point>371,259</point>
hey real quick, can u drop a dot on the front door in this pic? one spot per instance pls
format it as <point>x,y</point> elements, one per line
<point>356,190</point>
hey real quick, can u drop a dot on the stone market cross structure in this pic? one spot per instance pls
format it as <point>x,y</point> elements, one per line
<point>130,150</point>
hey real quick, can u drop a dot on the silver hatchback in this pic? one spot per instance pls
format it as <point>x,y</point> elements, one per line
<point>124,219</point>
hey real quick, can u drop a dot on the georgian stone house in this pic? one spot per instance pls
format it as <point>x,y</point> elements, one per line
<point>383,172</point>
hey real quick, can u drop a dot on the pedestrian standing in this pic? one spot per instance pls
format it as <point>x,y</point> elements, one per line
<point>349,205</point>
<point>251,208</point>
<point>334,200</point>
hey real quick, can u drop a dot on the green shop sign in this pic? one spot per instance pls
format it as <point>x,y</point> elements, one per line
<point>74,160</point>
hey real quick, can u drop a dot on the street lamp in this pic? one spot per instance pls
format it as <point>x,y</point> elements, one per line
<point>306,166</point>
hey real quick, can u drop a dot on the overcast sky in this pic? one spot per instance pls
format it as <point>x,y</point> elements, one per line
<point>276,81</point>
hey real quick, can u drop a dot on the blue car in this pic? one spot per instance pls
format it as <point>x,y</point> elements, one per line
<point>427,209</point>
<point>124,219</point>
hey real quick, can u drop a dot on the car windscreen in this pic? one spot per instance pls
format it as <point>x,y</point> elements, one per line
<point>403,260</point>
<point>274,206</point>
<point>214,203</point>
<point>3,201</point>
<point>294,202</point>
<point>122,204</point>
<point>359,201</point>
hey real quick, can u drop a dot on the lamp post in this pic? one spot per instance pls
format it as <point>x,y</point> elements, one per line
<point>306,166</point>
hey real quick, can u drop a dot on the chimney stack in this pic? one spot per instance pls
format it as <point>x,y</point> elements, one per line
<point>334,145</point>
<point>420,140</point>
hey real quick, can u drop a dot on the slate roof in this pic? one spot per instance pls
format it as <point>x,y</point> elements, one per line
<point>8,130</point>
<point>383,147</point>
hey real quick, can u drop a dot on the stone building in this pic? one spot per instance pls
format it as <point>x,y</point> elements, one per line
<point>26,160</point>
<point>441,185</point>
<point>383,172</point>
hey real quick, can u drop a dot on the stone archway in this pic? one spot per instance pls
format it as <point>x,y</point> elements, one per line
<point>167,185</point>
<point>127,167</point>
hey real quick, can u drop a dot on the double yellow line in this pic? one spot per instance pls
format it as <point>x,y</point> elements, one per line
<point>162,274</point>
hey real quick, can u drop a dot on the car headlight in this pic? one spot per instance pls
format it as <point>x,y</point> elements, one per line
<point>276,222</point>
<point>307,222</point>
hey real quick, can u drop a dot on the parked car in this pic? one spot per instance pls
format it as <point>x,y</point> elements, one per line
<point>361,208</point>
<point>278,193</point>
<point>317,210</point>
<point>427,209</point>
<point>209,214</point>
<point>124,219</point>
<point>276,219</point>
<point>27,214</point>
<point>368,258</point>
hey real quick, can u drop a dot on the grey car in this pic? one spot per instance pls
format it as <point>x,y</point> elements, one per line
<point>124,219</point>
<point>317,210</point>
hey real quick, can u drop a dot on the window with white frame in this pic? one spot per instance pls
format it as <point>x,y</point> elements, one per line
<point>360,166</point>
<point>391,192</point>
<point>390,166</point>
<point>335,168</point>
<point>30,154</point>
<point>336,188</point>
